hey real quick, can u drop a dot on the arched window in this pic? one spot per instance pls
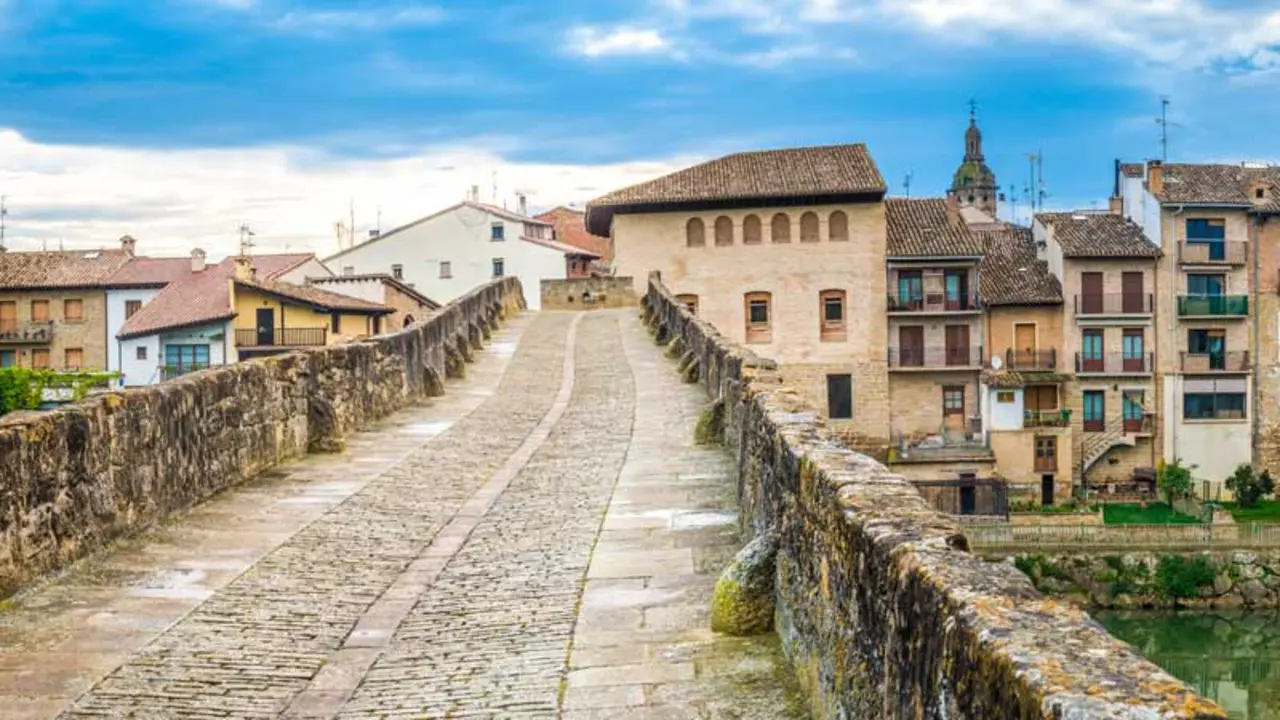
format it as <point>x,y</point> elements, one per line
<point>724,231</point>
<point>759,316</point>
<point>752,232</point>
<point>838,226</point>
<point>780,228</point>
<point>809,227</point>
<point>408,320</point>
<point>695,233</point>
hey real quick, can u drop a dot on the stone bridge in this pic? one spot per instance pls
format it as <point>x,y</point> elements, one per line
<point>498,514</point>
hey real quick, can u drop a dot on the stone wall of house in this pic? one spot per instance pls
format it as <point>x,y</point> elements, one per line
<point>589,293</point>
<point>73,479</point>
<point>882,610</point>
<point>1200,580</point>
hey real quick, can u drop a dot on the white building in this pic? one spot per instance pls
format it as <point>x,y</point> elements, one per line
<point>447,254</point>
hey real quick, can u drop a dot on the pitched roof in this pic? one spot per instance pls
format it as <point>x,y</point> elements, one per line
<point>919,227</point>
<point>1010,274</point>
<point>204,297</point>
<point>317,297</point>
<point>1212,184</point>
<point>571,229</point>
<point>60,269</point>
<point>1098,235</point>
<point>150,272</point>
<point>809,174</point>
<point>338,280</point>
<point>482,207</point>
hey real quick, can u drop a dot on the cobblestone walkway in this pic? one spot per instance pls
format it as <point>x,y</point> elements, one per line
<point>543,547</point>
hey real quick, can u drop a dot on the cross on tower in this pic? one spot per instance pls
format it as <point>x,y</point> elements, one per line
<point>973,110</point>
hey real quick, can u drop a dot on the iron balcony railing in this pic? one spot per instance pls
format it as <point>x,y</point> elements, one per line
<point>1114,364</point>
<point>939,302</point>
<point>1237,361</point>
<point>1114,304</point>
<point>31,333</point>
<point>1213,305</point>
<point>1031,359</point>
<point>169,372</point>
<point>1046,418</point>
<point>282,337</point>
<point>935,357</point>
<point>1208,251</point>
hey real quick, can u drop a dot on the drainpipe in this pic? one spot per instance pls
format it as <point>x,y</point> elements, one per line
<point>1173,321</point>
<point>1255,341</point>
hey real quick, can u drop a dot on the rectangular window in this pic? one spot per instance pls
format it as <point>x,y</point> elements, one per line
<point>397,272</point>
<point>8,316</point>
<point>911,346</point>
<point>1206,285</point>
<point>497,232</point>
<point>73,310</point>
<point>39,311</point>
<point>1224,399</point>
<point>40,359</point>
<point>499,268</point>
<point>758,312</point>
<point>958,351</point>
<point>335,323</point>
<point>1134,350</point>
<point>446,269</point>
<point>1207,350</point>
<point>186,357</point>
<point>910,289</point>
<point>1004,397</point>
<point>1091,293</point>
<point>74,359</point>
<point>8,358</point>
<point>142,352</point>
<point>1095,410</point>
<point>1091,351</point>
<point>953,400</point>
<point>832,309</point>
<point>840,397</point>
<point>349,270</point>
<point>131,308</point>
<point>1206,229</point>
<point>1134,415</point>
<point>1041,397</point>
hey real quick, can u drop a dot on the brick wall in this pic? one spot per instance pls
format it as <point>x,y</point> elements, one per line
<point>881,609</point>
<point>74,478</point>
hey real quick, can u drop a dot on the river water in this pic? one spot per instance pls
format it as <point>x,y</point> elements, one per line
<point>1232,657</point>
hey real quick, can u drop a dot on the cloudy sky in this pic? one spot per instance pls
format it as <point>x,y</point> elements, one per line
<point>177,120</point>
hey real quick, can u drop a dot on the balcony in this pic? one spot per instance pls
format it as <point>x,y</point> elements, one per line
<point>1114,304</point>
<point>1225,362</point>
<point>1211,251</point>
<point>35,333</point>
<point>936,358</point>
<point>169,372</point>
<point>939,303</point>
<point>1031,360</point>
<point>282,337</point>
<point>1046,418</point>
<point>1114,364</point>
<point>1190,306</point>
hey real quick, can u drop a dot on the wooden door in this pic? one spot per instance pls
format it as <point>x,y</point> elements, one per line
<point>1024,346</point>
<point>266,324</point>
<point>1135,352</point>
<point>1095,411</point>
<point>1091,293</point>
<point>958,345</point>
<point>911,346</point>
<point>1047,455</point>
<point>1046,490</point>
<point>1131,292</point>
<point>953,407</point>
<point>1091,357</point>
<point>968,500</point>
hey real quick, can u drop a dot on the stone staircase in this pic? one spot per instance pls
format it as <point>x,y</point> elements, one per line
<point>1095,446</point>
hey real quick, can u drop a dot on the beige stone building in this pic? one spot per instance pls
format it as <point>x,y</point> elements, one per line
<point>783,250</point>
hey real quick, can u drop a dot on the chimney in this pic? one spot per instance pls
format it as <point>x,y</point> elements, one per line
<point>244,267</point>
<point>475,194</point>
<point>522,204</point>
<point>953,210</point>
<point>197,261</point>
<point>1155,177</point>
<point>1116,205</point>
<point>128,245</point>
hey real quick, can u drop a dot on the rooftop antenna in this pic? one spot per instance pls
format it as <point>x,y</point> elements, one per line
<point>1032,158</point>
<point>351,229</point>
<point>1041,192</point>
<point>1013,201</point>
<point>4,212</point>
<point>906,183</point>
<point>1163,122</point>
<point>246,240</point>
<point>495,187</point>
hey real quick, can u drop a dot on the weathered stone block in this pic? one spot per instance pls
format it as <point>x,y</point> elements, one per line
<point>743,602</point>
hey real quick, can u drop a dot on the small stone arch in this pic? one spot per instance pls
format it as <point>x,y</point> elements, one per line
<point>809,227</point>
<point>724,231</point>
<point>838,226</point>
<point>780,228</point>
<point>695,233</point>
<point>752,231</point>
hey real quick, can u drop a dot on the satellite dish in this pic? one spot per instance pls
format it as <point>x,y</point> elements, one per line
<point>996,362</point>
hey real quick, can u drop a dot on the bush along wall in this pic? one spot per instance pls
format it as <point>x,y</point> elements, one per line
<point>1159,580</point>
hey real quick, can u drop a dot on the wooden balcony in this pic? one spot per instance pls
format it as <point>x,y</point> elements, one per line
<point>282,337</point>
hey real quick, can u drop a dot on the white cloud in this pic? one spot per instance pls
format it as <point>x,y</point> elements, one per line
<point>327,22</point>
<point>172,201</point>
<point>591,41</point>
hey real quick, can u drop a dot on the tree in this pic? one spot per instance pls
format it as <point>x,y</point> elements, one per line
<point>1174,480</point>
<point>1249,486</point>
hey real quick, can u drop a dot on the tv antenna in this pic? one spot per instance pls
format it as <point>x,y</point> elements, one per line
<point>1164,123</point>
<point>906,184</point>
<point>1035,190</point>
<point>246,240</point>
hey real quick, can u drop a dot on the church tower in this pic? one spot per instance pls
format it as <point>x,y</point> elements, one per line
<point>974,184</point>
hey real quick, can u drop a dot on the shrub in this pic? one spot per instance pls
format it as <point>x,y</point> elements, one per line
<point>1174,480</point>
<point>1179,579</point>
<point>1250,487</point>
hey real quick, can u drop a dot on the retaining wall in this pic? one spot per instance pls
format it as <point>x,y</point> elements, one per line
<point>74,478</point>
<point>881,608</point>
<point>591,293</point>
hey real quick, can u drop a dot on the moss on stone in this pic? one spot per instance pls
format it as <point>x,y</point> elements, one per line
<point>710,427</point>
<point>743,602</point>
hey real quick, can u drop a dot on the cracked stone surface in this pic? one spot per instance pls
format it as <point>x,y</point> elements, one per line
<point>542,541</point>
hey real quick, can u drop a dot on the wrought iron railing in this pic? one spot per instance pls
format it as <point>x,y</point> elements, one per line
<point>1115,364</point>
<point>1114,304</point>
<point>1213,305</point>
<point>935,357</point>
<point>15,333</point>
<point>282,337</point>
<point>933,302</point>
<point>1046,418</point>
<point>1046,360</point>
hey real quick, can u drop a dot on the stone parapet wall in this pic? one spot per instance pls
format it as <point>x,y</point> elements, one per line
<point>591,293</point>
<point>73,479</point>
<point>881,608</point>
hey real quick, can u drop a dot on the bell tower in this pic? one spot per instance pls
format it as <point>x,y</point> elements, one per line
<point>974,184</point>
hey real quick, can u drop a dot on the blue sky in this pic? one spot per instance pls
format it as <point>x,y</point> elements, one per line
<point>177,119</point>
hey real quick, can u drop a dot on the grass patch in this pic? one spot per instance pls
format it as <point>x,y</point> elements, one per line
<point>1267,512</point>
<point>1152,514</point>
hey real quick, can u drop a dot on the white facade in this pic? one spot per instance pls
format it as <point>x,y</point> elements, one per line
<point>446,255</point>
<point>370,289</point>
<point>143,357</point>
<point>1215,447</point>
<point>312,268</point>
<point>116,301</point>
<point>1002,415</point>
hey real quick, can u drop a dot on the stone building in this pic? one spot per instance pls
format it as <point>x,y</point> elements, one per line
<point>783,250</point>
<point>973,187</point>
<point>570,228</point>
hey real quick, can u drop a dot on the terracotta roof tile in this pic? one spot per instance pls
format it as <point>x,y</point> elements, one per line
<point>1098,235</point>
<point>61,269</point>
<point>809,173</point>
<point>1225,184</point>
<point>571,229</point>
<point>919,227</point>
<point>1010,274</point>
<point>312,295</point>
<point>150,272</point>
<point>337,281</point>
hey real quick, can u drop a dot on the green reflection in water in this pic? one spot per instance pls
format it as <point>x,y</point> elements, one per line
<point>1230,657</point>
